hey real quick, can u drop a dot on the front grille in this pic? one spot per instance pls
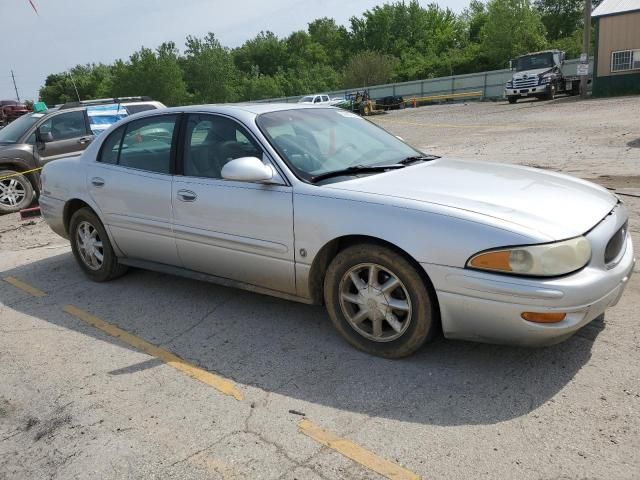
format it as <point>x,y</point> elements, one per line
<point>525,82</point>
<point>615,245</point>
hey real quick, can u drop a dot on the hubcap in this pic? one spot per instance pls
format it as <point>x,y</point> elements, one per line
<point>90,245</point>
<point>375,302</point>
<point>12,192</point>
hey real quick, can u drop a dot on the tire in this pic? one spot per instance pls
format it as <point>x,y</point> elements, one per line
<point>85,223</point>
<point>512,99</point>
<point>16,192</point>
<point>350,306</point>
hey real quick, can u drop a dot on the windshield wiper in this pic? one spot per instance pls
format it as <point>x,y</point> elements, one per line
<point>355,169</point>
<point>417,158</point>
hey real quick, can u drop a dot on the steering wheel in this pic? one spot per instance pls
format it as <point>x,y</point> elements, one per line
<point>289,145</point>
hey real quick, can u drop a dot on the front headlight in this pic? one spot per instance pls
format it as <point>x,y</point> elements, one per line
<point>509,84</point>
<point>547,260</point>
<point>544,80</point>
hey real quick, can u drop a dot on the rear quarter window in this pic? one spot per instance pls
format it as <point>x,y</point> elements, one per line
<point>110,150</point>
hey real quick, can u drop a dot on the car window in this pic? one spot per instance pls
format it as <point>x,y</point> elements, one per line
<point>325,98</point>
<point>65,126</point>
<point>111,147</point>
<point>147,144</point>
<point>139,107</point>
<point>211,141</point>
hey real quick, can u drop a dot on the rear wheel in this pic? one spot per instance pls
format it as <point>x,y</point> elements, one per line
<point>16,191</point>
<point>378,301</point>
<point>91,247</point>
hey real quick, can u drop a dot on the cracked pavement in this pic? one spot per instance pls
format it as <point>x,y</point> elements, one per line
<point>77,403</point>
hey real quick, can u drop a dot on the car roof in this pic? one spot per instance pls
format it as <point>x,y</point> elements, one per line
<point>252,108</point>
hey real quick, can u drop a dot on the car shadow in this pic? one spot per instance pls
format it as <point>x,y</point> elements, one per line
<point>291,349</point>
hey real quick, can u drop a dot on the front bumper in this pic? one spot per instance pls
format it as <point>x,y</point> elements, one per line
<point>527,91</point>
<point>486,307</point>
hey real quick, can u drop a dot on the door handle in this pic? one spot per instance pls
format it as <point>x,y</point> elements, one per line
<point>84,140</point>
<point>97,181</point>
<point>187,195</point>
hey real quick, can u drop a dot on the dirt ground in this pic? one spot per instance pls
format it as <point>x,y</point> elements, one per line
<point>78,403</point>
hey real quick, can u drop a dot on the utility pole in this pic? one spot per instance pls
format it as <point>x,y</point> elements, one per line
<point>586,41</point>
<point>15,86</point>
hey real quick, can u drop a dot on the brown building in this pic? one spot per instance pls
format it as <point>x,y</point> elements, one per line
<point>617,56</point>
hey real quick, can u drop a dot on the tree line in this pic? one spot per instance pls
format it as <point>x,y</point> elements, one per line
<point>397,41</point>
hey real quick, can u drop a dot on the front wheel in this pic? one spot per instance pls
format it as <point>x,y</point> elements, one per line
<point>512,99</point>
<point>16,191</point>
<point>378,301</point>
<point>91,247</point>
<point>552,92</point>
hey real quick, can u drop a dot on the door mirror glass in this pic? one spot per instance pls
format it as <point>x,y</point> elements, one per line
<point>45,137</point>
<point>247,169</point>
<point>511,64</point>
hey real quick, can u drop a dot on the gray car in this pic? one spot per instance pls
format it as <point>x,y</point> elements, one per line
<point>320,206</point>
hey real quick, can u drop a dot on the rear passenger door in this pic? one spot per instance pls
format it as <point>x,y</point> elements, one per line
<point>131,183</point>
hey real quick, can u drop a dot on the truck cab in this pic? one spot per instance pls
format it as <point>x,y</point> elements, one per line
<point>539,75</point>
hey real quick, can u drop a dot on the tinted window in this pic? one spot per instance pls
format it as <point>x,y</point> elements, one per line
<point>111,147</point>
<point>211,142</point>
<point>141,107</point>
<point>65,126</point>
<point>16,129</point>
<point>147,144</point>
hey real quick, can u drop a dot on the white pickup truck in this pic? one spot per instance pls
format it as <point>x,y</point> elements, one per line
<point>319,99</point>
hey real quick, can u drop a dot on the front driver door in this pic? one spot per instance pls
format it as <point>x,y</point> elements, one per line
<point>236,230</point>
<point>70,135</point>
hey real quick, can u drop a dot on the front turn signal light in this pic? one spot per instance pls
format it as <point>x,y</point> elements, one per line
<point>549,317</point>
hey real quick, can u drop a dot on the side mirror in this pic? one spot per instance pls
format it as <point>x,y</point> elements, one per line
<point>44,137</point>
<point>511,64</point>
<point>247,169</point>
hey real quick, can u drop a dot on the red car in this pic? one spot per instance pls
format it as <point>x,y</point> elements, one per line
<point>10,110</point>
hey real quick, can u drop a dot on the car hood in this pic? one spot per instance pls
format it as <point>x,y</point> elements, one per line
<point>555,205</point>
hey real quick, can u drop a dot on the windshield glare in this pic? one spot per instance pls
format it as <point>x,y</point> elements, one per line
<point>16,129</point>
<point>317,141</point>
<point>532,62</point>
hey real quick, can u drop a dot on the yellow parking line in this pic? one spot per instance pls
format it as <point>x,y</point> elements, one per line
<point>223,385</point>
<point>25,287</point>
<point>356,453</point>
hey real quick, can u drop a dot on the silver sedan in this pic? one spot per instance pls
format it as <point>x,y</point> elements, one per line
<point>321,206</point>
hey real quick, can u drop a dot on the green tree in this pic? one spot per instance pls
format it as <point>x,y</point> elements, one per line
<point>561,18</point>
<point>512,28</point>
<point>266,51</point>
<point>209,71</point>
<point>368,68</point>
<point>154,73</point>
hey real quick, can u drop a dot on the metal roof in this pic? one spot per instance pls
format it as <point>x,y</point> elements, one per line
<point>612,7</point>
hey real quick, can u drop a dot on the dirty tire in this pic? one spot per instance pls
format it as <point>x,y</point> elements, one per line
<point>109,268</point>
<point>552,92</point>
<point>16,192</point>
<point>512,99</point>
<point>423,324</point>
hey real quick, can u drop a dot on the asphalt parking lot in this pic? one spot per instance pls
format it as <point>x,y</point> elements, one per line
<point>154,376</point>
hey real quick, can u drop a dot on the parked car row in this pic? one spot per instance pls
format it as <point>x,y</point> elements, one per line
<point>319,205</point>
<point>37,138</point>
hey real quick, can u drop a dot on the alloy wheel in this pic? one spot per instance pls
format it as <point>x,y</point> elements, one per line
<point>90,245</point>
<point>375,302</point>
<point>12,192</point>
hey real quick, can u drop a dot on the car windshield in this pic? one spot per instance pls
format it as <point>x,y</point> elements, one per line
<point>532,62</point>
<point>320,140</point>
<point>16,129</point>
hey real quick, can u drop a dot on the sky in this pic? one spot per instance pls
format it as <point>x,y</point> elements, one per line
<point>65,33</point>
